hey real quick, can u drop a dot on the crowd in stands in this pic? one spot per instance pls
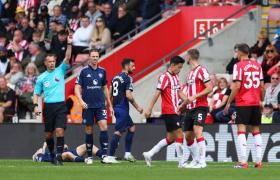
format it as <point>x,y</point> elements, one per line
<point>268,55</point>
<point>30,29</point>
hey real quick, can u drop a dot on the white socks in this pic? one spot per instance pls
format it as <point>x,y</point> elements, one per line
<point>162,143</point>
<point>193,148</point>
<point>202,149</point>
<point>243,146</point>
<point>258,146</point>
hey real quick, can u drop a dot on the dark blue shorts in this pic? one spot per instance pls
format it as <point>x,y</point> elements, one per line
<point>94,113</point>
<point>74,152</point>
<point>123,120</point>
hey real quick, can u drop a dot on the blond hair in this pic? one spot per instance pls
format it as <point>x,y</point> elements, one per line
<point>31,65</point>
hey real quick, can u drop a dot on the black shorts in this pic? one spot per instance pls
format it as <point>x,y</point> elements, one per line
<point>172,122</point>
<point>55,116</point>
<point>195,116</point>
<point>248,115</point>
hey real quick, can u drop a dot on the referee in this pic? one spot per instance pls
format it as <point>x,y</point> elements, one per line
<point>51,83</point>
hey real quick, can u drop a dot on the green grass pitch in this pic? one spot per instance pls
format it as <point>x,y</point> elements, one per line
<point>160,170</point>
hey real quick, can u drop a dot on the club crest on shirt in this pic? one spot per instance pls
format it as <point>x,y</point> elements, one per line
<point>95,82</point>
<point>191,81</point>
<point>56,79</point>
<point>100,75</point>
<point>47,84</point>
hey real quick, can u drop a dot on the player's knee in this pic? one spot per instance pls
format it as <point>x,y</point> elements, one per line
<point>49,135</point>
<point>118,133</point>
<point>132,129</point>
<point>59,132</point>
<point>103,126</point>
<point>89,129</point>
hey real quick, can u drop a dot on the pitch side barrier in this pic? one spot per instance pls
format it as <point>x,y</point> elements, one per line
<point>20,141</point>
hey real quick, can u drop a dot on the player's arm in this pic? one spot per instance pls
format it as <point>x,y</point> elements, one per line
<point>182,95</point>
<point>262,90</point>
<point>133,102</point>
<point>235,87</point>
<point>107,98</point>
<point>152,103</point>
<point>78,93</point>
<point>207,90</point>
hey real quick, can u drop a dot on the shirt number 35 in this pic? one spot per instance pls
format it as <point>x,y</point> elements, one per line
<point>252,80</point>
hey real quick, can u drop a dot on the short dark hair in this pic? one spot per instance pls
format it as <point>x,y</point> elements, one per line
<point>126,61</point>
<point>177,60</point>
<point>84,16</point>
<point>62,32</point>
<point>194,53</point>
<point>51,55</point>
<point>243,47</point>
<point>94,50</point>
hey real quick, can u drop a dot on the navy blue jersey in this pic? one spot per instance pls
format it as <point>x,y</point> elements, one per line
<point>120,84</point>
<point>92,82</point>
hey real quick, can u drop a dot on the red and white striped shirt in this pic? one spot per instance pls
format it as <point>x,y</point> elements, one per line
<point>195,82</point>
<point>19,54</point>
<point>169,85</point>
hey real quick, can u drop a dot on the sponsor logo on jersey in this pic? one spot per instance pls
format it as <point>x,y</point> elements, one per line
<point>95,82</point>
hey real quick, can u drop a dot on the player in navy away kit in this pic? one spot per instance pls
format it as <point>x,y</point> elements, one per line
<point>121,91</point>
<point>91,90</point>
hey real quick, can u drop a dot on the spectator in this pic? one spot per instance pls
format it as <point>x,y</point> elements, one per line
<point>267,114</point>
<point>7,100</point>
<point>18,45</point>
<point>9,10</point>
<point>20,13</point>
<point>36,55</point>
<point>148,9</point>
<point>75,18</point>
<point>36,38</point>
<point>270,58</point>
<point>261,44</point>
<point>24,90</point>
<point>3,39</point>
<point>4,62</point>
<point>14,75</point>
<point>59,46</point>
<point>52,31</point>
<point>41,28</point>
<point>28,4</point>
<point>219,101</point>
<point>276,114</point>
<point>33,17</point>
<point>81,37</point>
<point>26,29</point>
<point>272,91</point>
<point>233,61</point>
<point>44,16</point>
<point>67,6</point>
<point>101,36</point>
<point>125,23</point>
<point>58,16</point>
<point>93,13</point>
<point>132,6</point>
<point>109,16</point>
<point>52,4</point>
<point>10,28</point>
<point>276,39</point>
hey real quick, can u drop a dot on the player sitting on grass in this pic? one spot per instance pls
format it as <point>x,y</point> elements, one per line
<point>76,155</point>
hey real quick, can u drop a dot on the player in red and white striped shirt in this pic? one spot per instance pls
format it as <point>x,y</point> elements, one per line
<point>197,86</point>
<point>168,88</point>
<point>248,92</point>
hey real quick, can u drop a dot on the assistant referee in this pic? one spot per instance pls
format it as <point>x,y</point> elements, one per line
<point>51,83</point>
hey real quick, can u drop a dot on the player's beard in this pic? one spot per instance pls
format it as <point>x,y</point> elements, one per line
<point>129,72</point>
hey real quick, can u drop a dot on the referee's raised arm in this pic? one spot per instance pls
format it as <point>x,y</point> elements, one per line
<point>69,48</point>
